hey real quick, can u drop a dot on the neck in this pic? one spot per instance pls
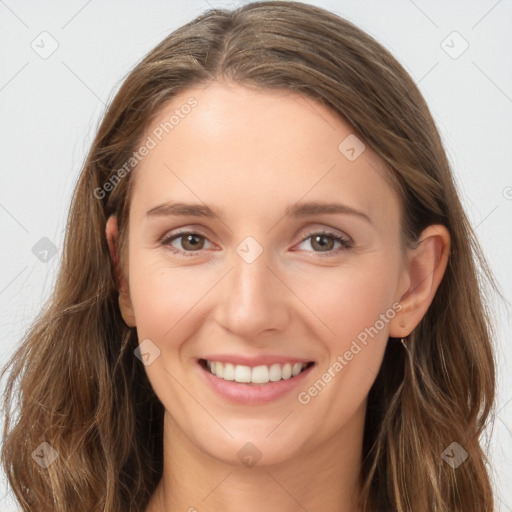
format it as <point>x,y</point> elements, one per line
<point>326,478</point>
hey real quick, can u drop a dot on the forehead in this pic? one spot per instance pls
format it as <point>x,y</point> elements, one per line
<point>223,143</point>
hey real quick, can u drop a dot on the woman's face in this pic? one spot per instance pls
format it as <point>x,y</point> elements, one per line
<point>266,283</point>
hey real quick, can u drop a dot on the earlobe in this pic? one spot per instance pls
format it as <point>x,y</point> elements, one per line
<point>426,267</point>
<point>125,304</point>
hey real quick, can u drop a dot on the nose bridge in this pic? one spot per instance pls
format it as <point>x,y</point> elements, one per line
<point>251,300</point>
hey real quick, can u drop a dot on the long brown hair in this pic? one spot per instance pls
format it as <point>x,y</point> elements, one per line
<point>75,380</point>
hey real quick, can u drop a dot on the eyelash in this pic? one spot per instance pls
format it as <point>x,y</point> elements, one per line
<point>345,243</point>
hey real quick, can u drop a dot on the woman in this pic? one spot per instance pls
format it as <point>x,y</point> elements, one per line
<point>268,297</point>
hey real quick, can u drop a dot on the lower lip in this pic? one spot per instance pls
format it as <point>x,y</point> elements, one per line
<point>254,394</point>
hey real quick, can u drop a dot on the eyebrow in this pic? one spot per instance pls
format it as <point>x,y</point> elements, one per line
<point>172,208</point>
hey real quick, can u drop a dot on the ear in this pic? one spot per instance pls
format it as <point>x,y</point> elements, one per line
<point>125,303</point>
<point>425,268</point>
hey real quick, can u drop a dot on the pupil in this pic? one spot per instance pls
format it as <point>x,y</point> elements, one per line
<point>322,237</point>
<point>192,240</point>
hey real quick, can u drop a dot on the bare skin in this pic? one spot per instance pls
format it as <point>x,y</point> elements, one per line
<point>251,155</point>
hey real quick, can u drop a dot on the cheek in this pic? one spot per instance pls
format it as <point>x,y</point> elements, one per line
<point>348,300</point>
<point>166,299</point>
<point>167,307</point>
<point>356,305</point>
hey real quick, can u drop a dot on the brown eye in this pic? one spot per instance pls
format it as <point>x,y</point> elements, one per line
<point>325,243</point>
<point>190,243</point>
<point>322,242</point>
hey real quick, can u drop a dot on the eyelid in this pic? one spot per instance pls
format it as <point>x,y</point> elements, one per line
<point>167,238</point>
<point>346,241</point>
<point>327,231</point>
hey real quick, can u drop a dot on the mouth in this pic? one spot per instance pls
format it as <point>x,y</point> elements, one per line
<point>255,375</point>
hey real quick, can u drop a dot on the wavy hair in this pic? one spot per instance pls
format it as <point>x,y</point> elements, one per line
<point>74,382</point>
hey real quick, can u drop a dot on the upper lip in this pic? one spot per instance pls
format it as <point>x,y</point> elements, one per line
<point>254,361</point>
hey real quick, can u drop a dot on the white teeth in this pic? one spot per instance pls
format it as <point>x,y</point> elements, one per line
<point>257,375</point>
<point>297,368</point>
<point>275,372</point>
<point>286,372</point>
<point>242,373</point>
<point>229,371</point>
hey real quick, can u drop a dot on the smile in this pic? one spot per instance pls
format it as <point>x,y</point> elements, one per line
<point>256,375</point>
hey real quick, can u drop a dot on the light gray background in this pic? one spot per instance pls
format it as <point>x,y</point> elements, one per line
<point>50,108</point>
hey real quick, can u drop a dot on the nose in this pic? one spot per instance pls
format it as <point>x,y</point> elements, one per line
<point>253,299</point>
